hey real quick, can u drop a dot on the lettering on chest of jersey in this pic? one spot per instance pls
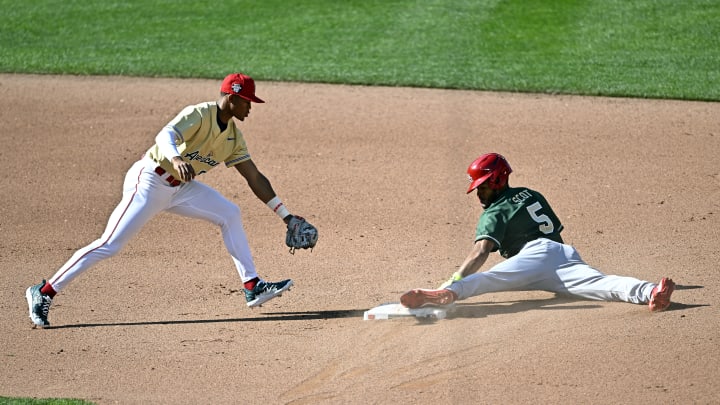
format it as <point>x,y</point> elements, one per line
<point>202,159</point>
<point>520,197</point>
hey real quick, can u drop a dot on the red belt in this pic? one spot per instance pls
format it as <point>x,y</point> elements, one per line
<point>170,179</point>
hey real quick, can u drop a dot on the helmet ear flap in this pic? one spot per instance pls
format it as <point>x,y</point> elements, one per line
<point>495,181</point>
<point>499,179</point>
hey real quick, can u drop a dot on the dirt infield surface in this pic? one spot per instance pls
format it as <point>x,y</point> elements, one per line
<point>381,172</point>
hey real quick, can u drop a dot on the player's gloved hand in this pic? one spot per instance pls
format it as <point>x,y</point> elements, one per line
<point>300,234</point>
<point>455,277</point>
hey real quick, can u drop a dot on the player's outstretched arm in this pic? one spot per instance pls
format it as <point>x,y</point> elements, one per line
<point>477,257</point>
<point>300,233</point>
<point>259,184</point>
<point>473,262</point>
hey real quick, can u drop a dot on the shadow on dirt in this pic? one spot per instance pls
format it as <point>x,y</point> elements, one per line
<point>462,310</point>
<point>688,287</point>
<point>481,310</point>
<point>269,316</point>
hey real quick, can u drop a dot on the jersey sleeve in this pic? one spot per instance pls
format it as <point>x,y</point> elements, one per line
<point>186,124</point>
<point>491,226</point>
<point>240,151</point>
<point>182,128</point>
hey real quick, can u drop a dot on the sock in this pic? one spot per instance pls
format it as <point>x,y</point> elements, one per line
<point>250,284</point>
<point>48,290</point>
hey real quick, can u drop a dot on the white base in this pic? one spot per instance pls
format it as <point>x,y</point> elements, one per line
<point>396,310</point>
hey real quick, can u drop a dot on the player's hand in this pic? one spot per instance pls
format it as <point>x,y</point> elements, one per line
<point>184,169</point>
<point>455,277</point>
<point>300,234</point>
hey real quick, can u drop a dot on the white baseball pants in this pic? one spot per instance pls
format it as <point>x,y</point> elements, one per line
<point>546,265</point>
<point>145,194</point>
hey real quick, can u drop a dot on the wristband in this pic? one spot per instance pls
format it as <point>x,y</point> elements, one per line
<point>278,207</point>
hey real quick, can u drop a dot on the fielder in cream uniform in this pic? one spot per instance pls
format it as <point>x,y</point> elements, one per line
<point>196,136</point>
<point>198,139</point>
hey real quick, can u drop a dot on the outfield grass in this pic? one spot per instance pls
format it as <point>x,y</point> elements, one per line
<point>643,48</point>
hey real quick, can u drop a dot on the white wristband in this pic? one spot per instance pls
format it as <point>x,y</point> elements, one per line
<point>278,207</point>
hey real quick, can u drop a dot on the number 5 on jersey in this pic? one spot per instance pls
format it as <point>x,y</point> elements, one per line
<point>546,225</point>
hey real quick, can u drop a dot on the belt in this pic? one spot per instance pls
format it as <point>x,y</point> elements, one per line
<point>172,181</point>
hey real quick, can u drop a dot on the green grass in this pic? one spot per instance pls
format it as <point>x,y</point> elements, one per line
<point>643,48</point>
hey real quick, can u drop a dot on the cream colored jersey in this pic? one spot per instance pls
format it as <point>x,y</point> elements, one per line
<point>201,142</point>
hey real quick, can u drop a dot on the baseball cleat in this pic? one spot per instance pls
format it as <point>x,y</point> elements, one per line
<point>660,296</point>
<point>418,298</point>
<point>38,304</point>
<point>264,291</point>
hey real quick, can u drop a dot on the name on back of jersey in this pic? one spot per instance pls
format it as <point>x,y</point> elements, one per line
<point>520,197</point>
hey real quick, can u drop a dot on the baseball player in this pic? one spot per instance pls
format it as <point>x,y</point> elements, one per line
<point>520,224</point>
<point>199,138</point>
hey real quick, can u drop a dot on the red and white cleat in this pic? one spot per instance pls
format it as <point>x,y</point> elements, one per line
<point>660,297</point>
<point>418,298</point>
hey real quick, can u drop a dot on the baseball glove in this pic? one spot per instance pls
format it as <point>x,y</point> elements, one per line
<point>300,234</point>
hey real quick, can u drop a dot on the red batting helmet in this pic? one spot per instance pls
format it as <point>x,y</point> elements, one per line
<point>490,167</point>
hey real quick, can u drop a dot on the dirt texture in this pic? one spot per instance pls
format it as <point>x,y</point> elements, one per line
<point>381,172</point>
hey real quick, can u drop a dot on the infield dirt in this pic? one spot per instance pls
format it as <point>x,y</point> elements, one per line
<point>381,172</point>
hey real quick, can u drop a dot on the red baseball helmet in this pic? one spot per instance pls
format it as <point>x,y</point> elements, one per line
<point>490,167</point>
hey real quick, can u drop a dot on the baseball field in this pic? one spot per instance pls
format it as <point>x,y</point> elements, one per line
<point>375,157</point>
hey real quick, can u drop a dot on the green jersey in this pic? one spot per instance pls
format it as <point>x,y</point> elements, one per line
<point>518,215</point>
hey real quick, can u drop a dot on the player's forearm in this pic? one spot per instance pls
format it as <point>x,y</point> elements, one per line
<point>472,264</point>
<point>262,188</point>
<point>476,258</point>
